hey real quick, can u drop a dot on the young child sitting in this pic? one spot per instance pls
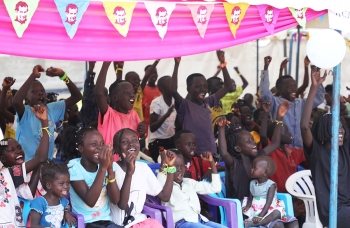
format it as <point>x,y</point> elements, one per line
<point>184,201</point>
<point>111,120</point>
<point>14,171</point>
<point>92,177</point>
<point>52,209</point>
<point>238,150</point>
<point>194,113</point>
<point>136,180</point>
<point>28,129</point>
<point>262,206</point>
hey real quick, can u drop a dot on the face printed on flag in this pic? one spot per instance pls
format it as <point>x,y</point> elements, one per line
<point>21,11</point>
<point>71,13</point>
<point>269,14</point>
<point>300,13</point>
<point>202,14</point>
<point>236,13</point>
<point>162,16</point>
<point>119,15</point>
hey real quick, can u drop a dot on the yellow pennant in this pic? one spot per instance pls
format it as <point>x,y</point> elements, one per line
<point>120,14</point>
<point>235,14</point>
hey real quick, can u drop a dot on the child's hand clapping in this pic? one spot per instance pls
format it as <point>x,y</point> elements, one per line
<point>207,156</point>
<point>104,157</point>
<point>266,105</point>
<point>222,122</point>
<point>168,157</point>
<point>53,72</point>
<point>130,162</point>
<point>40,112</point>
<point>8,82</point>
<point>283,109</point>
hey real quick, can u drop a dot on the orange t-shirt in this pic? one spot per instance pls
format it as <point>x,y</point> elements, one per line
<point>149,93</point>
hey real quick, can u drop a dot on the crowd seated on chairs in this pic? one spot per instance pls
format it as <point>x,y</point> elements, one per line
<point>140,155</point>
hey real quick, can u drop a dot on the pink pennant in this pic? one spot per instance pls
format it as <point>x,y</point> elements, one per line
<point>201,16</point>
<point>269,16</point>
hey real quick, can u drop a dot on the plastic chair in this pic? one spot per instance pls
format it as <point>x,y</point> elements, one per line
<point>300,185</point>
<point>153,213</point>
<point>168,220</point>
<point>155,167</point>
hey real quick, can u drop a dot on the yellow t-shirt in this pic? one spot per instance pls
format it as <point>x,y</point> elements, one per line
<point>229,99</point>
<point>138,103</point>
<point>215,112</point>
<point>9,132</point>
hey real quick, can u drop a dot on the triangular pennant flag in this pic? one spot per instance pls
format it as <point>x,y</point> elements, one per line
<point>120,14</point>
<point>235,14</point>
<point>299,15</point>
<point>160,13</point>
<point>201,16</point>
<point>269,16</point>
<point>71,12</point>
<point>21,12</point>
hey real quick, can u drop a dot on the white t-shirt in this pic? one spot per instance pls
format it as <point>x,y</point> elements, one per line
<point>167,130</point>
<point>143,183</point>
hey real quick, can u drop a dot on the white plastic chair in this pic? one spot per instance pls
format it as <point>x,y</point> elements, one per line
<point>300,185</point>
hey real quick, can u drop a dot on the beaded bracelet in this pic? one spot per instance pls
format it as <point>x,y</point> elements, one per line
<point>279,122</point>
<point>47,130</point>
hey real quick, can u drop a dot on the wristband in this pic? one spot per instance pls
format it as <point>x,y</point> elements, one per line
<point>66,80</point>
<point>64,76</point>
<point>223,64</point>
<point>47,130</point>
<point>119,69</point>
<point>64,121</point>
<point>279,122</point>
<point>239,74</point>
<point>111,181</point>
<point>171,169</point>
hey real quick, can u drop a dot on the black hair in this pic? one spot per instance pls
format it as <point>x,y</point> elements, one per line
<point>161,82</point>
<point>329,89</point>
<point>256,114</point>
<point>190,78</point>
<point>211,80</point>
<point>117,138</point>
<point>232,137</point>
<point>128,75</point>
<point>50,169</point>
<point>271,165</point>
<point>14,91</point>
<point>72,138</point>
<point>322,128</point>
<point>51,97</point>
<point>3,145</point>
<point>280,81</point>
<point>249,94</point>
<point>178,134</point>
<point>113,87</point>
<point>242,106</point>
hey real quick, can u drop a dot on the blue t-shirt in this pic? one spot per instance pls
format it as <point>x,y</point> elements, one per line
<point>28,132</point>
<point>101,210</point>
<point>51,216</point>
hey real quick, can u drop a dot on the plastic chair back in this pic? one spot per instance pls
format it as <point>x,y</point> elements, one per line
<point>300,185</point>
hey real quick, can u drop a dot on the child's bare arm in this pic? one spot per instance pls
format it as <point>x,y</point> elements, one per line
<point>99,88</point>
<point>244,80</point>
<point>148,74</point>
<point>168,158</point>
<point>35,219</point>
<point>173,84</point>
<point>6,85</point>
<point>222,122</point>
<point>263,128</point>
<point>227,79</point>
<point>249,203</point>
<point>269,199</point>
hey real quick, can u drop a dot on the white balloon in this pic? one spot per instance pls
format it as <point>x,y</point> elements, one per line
<point>326,48</point>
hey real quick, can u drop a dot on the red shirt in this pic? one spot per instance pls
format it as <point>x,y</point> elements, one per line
<point>286,166</point>
<point>149,93</point>
<point>197,169</point>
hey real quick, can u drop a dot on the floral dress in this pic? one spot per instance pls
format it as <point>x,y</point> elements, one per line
<point>259,193</point>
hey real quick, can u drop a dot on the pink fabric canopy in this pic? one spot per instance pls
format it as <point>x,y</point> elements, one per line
<point>97,39</point>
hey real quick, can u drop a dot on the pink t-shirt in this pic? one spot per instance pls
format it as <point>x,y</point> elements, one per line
<point>113,121</point>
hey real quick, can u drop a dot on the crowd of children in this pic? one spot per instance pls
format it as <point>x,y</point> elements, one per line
<point>88,161</point>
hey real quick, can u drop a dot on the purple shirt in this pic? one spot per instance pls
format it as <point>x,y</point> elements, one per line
<point>197,119</point>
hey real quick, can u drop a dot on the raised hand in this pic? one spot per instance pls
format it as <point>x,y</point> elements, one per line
<point>8,82</point>
<point>119,64</point>
<point>130,162</point>
<point>221,56</point>
<point>169,157</point>
<point>40,112</point>
<point>92,65</point>
<point>267,61</point>
<point>222,121</point>
<point>316,78</point>
<point>306,61</point>
<point>36,71</point>
<point>141,128</point>
<point>284,63</point>
<point>207,156</point>
<point>266,105</point>
<point>347,99</point>
<point>236,69</point>
<point>177,60</point>
<point>104,157</point>
<point>53,72</point>
<point>283,108</point>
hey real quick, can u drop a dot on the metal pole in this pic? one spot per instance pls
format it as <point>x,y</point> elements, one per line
<point>285,53</point>
<point>334,148</point>
<point>298,55</point>
<point>290,53</point>
<point>257,66</point>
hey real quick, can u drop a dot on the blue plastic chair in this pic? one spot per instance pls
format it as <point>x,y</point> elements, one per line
<point>155,167</point>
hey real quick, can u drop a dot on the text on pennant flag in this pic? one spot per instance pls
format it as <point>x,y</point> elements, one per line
<point>21,12</point>
<point>71,12</point>
<point>201,16</point>
<point>269,16</point>
<point>234,15</point>
<point>160,13</point>
<point>339,20</point>
<point>299,15</point>
<point>120,15</point>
